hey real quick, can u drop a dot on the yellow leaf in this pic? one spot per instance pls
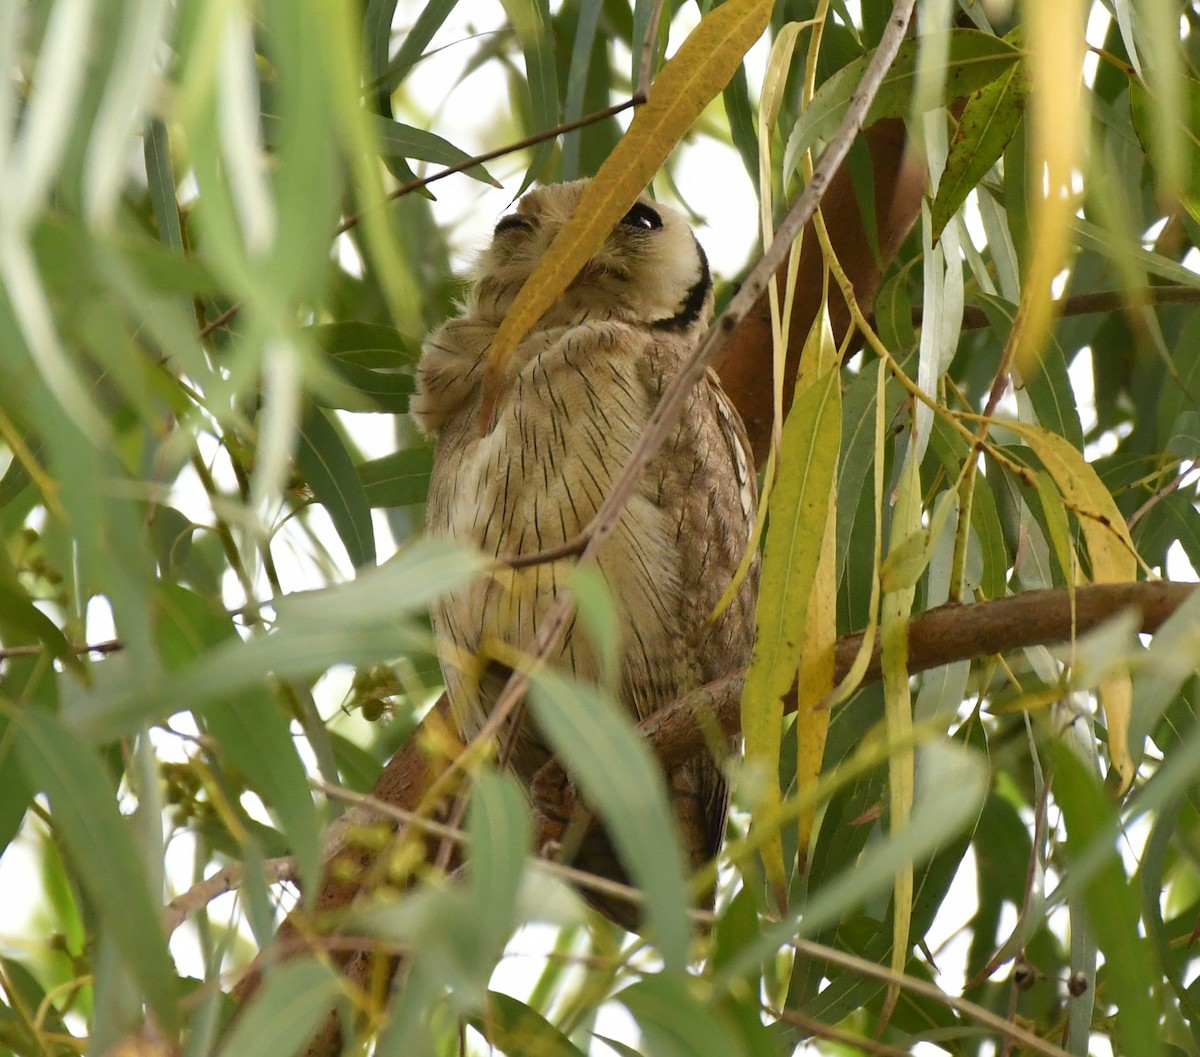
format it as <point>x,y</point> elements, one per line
<point>816,670</point>
<point>897,697</point>
<point>690,80</point>
<point>1059,117</point>
<point>1113,557</point>
<point>799,514</point>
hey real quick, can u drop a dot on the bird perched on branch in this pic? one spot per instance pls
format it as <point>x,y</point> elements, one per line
<point>578,392</point>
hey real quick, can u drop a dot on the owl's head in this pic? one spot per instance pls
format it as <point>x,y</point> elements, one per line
<point>649,270</point>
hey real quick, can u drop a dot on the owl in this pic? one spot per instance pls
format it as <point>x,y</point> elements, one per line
<point>578,392</point>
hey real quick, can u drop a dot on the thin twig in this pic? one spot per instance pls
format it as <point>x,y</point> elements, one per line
<point>355,219</point>
<point>967,1008</point>
<point>227,879</point>
<point>643,83</point>
<point>827,1031</point>
<point>975,318</point>
<point>36,649</point>
<point>499,152</point>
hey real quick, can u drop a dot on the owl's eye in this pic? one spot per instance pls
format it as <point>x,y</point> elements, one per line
<point>513,221</point>
<point>643,217</point>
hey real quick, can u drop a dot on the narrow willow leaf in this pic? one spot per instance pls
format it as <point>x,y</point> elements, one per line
<point>1049,388</point>
<point>305,175</point>
<point>429,21</point>
<point>15,793</point>
<point>1111,905</point>
<point>1113,559</point>
<point>366,344</point>
<point>597,612</point>
<point>377,618</point>
<point>513,1027</point>
<point>1173,657</point>
<point>250,730</point>
<point>908,557</point>
<point>1089,236</point>
<point>799,510</point>
<point>417,144</point>
<point>104,856</point>
<point>897,696</point>
<point>988,122</point>
<point>160,181</point>
<point>1166,117</point>
<point>816,668</point>
<point>1055,33</point>
<point>1184,440</point>
<point>674,1022</point>
<point>399,479</point>
<point>369,390</point>
<point>373,359</point>
<point>578,73</point>
<point>498,834</point>
<point>22,621</point>
<point>377,46</point>
<point>530,20</point>
<point>402,587</point>
<point>934,822</point>
<point>285,1012</point>
<point>330,472</point>
<point>1058,531</point>
<point>692,78</point>
<point>951,449</point>
<point>1175,400</point>
<point>975,59</point>
<point>615,769</point>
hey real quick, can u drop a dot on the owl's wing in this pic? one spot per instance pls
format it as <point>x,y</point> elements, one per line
<point>450,372</point>
<point>705,479</point>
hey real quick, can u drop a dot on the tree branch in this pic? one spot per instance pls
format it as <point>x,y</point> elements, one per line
<point>938,636</point>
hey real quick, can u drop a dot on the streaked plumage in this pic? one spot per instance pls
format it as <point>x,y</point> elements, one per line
<point>579,391</point>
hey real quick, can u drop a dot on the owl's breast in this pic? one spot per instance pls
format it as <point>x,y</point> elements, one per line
<point>564,430</point>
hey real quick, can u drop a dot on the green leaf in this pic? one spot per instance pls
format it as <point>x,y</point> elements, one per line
<point>1169,128</point>
<point>433,14</point>
<point>285,1013</point>
<point>513,1027</point>
<point>405,141</point>
<point>365,344</point>
<point>935,820</point>
<point>371,620</point>
<point>530,20</point>
<point>808,461</point>
<point>399,479</point>
<point>1185,436</point>
<point>676,1024</point>
<point>975,59</point>
<point>1050,390</point>
<point>252,733</point>
<point>988,122</point>
<point>104,856</point>
<point>23,622</point>
<point>602,751</point>
<point>329,470</point>
<point>1111,904</point>
<point>498,833</point>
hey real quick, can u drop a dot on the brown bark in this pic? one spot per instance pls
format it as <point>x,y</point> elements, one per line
<point>745,366</point>
<point>938,636</point>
